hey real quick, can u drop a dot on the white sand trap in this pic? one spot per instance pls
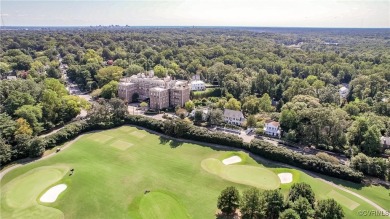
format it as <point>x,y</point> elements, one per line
<point>285,178</point>
<point>52,194</point>
<point>232,160</point>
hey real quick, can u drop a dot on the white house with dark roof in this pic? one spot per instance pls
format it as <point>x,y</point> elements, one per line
<point>233,117</point>
<point>272,128</point>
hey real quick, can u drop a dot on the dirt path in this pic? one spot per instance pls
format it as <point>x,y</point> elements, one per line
<point>256,157</point>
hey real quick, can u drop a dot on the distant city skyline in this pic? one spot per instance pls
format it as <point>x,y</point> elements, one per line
<point>257,13</point>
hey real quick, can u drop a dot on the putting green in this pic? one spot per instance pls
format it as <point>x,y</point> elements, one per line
<point>243,174</point>
<point>110,183</point>
<point>155,205</point>
<point>23,192</point>
<point>121,145</point>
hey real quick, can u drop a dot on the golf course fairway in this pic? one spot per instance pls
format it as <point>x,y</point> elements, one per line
<point>128,172</point>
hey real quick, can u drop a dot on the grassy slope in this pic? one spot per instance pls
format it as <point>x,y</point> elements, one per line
<point>110,183</point>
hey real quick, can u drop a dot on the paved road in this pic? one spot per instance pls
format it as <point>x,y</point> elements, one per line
<point>256,157</point>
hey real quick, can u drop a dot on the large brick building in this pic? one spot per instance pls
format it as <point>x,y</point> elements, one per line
<point>162,92</point>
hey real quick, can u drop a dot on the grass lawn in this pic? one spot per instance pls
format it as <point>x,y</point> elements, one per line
<point>114,168</point>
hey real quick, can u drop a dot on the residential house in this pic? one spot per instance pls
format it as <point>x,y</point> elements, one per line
<point>198,85</point>
<point>205,113</point>
<point>385,141</point>
<point>233,117</point>
<point>272,128</point>
<point>11,78</point>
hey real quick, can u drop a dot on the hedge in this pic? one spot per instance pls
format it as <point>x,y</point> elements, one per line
<point>258,147</point>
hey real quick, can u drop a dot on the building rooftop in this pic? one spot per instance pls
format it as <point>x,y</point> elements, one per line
<point>125,83</point>
<point>158,89</point>
<point>197,82</point>
<point>276,124</point>
<point>233,113</point>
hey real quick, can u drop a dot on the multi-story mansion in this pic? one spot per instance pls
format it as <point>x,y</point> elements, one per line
<point>162,92</point>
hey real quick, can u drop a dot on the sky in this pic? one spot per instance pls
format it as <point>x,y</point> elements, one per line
<point>260,13</point>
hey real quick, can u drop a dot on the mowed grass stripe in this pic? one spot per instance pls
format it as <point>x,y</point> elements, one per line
<point>343,200</point>
<point>121,145</point>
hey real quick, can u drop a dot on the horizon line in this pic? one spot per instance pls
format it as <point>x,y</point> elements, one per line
<point>193,26</point>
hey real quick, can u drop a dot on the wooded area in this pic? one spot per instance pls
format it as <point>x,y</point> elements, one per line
<point>302,70</point>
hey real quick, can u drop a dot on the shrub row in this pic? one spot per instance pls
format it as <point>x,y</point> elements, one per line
<point>262,148</point>
<point>308,162</point>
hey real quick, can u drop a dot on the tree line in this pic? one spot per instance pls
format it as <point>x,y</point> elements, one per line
<point>271,204</point>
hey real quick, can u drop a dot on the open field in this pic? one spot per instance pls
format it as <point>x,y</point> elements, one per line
<point>111,178</point>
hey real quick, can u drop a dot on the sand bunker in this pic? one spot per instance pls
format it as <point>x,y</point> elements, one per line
<point>52,194</point>
<point>232,160</point>
<point>285,178</point>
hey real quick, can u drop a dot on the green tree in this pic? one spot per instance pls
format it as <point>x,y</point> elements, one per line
<point>118,109</point>
<point>198,117</point>
<point>20,148</point>
<point>265,103</point>
<point>233,104</point>
<point>4,69</point>
<point>7,127</point>
<point>189,105</point>
<point>53,72</point>
<point>288,119</point>
<point>229,200</point>
<point>107,74</point>
<point>251,105</point>
<point>32,114</point>
<point>37,147</point>
<point>303,208</point>
<point>371,144</point>
<point>91,56</point>
<point>289,214</point>
<point>160,71</point>
<point>56,86</point>
<point>301,190</point>
<point>133,70</point>
<point>252,206</point>
<point>275,203</point>
<point>144,105</point>
<point>251,121</point>
<point>175,128</point>
<point>71,106</point>
<point>215,117</point>
<point>51,106</point>
<point>329,209</point>
<point>110,90</point>
<point>5,151</point>
<point>17,99</point>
